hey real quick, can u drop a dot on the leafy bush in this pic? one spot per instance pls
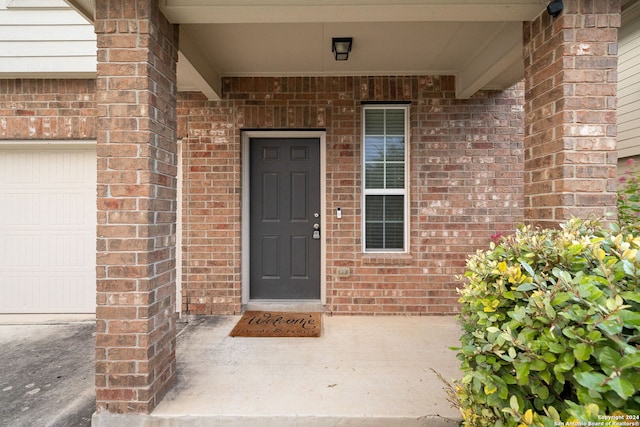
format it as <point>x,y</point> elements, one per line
<point>551,328</point>
<point>629,197</point>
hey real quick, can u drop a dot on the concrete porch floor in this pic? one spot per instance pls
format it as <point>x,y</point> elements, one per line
<point>363,371</point>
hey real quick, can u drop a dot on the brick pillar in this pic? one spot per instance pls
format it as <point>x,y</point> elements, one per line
<point>136,136</point>
<point>570,106</point>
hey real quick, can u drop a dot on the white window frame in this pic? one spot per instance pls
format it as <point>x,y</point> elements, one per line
<point>386,192</point>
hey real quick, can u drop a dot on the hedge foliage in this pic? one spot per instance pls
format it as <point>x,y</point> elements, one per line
<point>551,328</point>
<point>629,197</point>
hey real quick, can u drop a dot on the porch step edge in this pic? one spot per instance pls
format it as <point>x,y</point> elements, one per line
<point>285,305</point>
<point>143,420</point>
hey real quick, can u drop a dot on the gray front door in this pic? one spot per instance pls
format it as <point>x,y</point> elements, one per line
<point>285,213</point>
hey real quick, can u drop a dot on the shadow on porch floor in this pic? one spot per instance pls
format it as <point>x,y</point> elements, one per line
<point>363,371</point>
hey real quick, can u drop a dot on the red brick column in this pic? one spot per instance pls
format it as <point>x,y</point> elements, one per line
<point>570,106</point>
<point>136,136</point>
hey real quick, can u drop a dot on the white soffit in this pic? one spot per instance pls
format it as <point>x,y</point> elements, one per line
<point>478,41</point>
<point>465,38</point>
<point>239,11</point>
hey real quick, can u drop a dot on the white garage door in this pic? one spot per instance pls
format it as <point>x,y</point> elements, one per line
<point>47,229</point>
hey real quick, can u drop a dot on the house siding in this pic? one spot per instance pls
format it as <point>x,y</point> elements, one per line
<point>40,39</point>
<point>629,83</point>
<point>466,184</point>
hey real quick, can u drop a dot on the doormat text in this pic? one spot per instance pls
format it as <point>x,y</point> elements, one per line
<point>278,324</point>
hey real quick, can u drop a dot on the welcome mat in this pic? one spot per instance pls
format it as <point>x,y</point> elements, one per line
<point>278,324</point>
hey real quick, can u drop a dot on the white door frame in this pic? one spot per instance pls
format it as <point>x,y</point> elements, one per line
<point>246,200</point>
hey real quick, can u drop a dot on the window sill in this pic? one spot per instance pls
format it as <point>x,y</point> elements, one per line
<point>387,259</point>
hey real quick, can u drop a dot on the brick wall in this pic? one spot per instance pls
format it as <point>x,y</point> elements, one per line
<point>466,181</point>
<point>466,185</point>
<point>571,82</point>
<point>137,167</point>
<point>211,217</point>
<point>47,109</point>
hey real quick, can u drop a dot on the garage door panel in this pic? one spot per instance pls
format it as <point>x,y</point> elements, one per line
<point>30,207</point>
<point>65,209</point>
<point>54,166</point>
<point>19,209</point>
<point>24,250</point>
<point>47,229</point>
<point>32,294</point>
<point>16,167</point>
<point>31,248</point>
<point>15,290</point>
<point>71,291</point>
<point>68,251</point>
<point>60,168</point>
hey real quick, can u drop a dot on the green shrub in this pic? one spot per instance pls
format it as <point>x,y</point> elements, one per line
<point>629,197</point>
<point>551,328</point>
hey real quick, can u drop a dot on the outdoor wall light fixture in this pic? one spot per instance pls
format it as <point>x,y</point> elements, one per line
<point>554,8</point>
<point>341,46</point>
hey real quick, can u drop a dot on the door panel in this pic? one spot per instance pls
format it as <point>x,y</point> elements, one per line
<point>270,262</point>
<point>300,257</point>
<point>299,196</point>
<point>284,199</point>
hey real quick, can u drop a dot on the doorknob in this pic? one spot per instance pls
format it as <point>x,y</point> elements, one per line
<point>316,231</point>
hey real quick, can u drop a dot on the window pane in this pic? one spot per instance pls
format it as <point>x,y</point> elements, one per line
<point>395,175</point>
<point>374,149</point>
<point>374,208</point>
<point>394,208</point>
<point>384,222</point>
<point>374,175</point>
<point>395,149</point>
<point>395,122</point>
<point>374,236</point>
<point>374,122</point>
<point>394,236</point>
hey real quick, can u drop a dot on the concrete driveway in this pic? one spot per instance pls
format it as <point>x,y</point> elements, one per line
<point>46,371</point>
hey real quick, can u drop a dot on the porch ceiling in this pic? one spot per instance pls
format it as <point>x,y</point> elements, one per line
<point>478,41</point>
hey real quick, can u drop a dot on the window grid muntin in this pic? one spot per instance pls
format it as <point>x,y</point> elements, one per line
<point>385,138</point>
